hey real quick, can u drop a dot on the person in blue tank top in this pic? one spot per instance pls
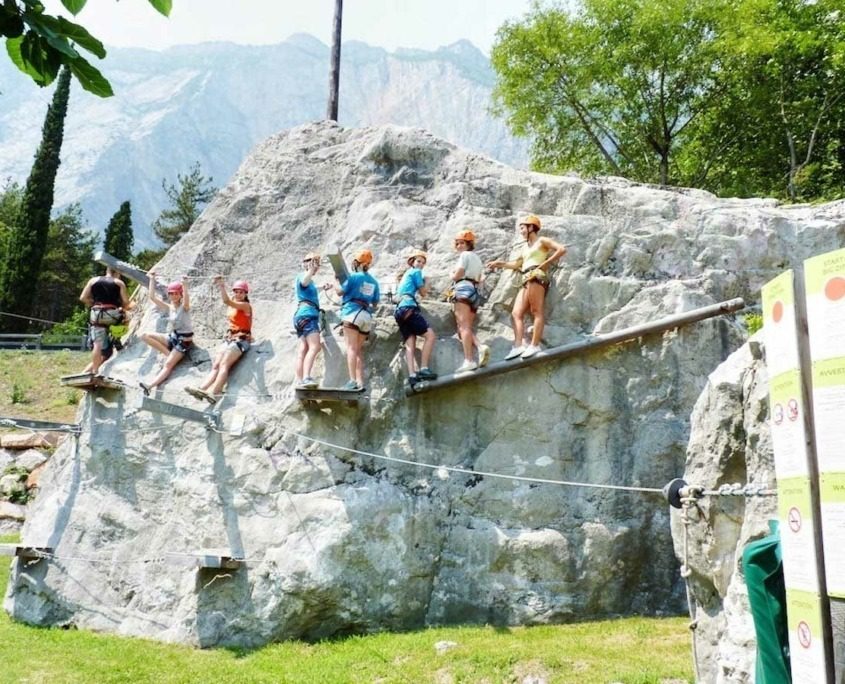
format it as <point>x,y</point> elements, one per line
<point>411,321</point>
<point>306,320</point>
<point>360,295</point>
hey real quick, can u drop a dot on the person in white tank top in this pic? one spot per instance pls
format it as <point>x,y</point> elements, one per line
<point>465,298</point>
<point>537,255</point>
<point>180,331</point>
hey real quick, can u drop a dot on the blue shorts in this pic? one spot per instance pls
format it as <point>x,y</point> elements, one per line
<point>180,343</point>
<point>411,321</point>
<point>306,325</point>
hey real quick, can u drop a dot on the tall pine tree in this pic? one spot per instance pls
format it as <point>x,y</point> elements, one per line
<point>119,238</point>
<point>27,239</point>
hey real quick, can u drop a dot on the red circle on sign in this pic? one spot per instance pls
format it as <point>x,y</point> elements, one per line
<point>835,288</point>
<point>793,519</point>
<point>805,638</point>
<point>777,311</point>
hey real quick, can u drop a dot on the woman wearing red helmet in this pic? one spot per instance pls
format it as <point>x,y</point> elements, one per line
<point>180,331</point>
<point>537,255</point>
<point>238,340</point>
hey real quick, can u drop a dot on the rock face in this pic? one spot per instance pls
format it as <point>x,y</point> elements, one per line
<point>213,102</point>
<point>730,442</point>
<point>338,541</point>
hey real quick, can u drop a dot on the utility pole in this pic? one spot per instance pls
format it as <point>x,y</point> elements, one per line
<point>334,67</point>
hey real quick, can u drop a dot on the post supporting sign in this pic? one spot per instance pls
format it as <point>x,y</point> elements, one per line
<point>791,419</point>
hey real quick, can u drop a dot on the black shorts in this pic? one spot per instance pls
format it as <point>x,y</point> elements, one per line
<point>411,321</point>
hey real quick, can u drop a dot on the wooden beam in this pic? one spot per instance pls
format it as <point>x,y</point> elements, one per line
<point>210,419</point>
<point>91,381</point>
<point>26,552</point>
<point>29,424</point>
<point>581,347</point>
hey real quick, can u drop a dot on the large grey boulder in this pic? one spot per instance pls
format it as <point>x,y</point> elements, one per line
<point>338,541</point>
<point>730,442</point>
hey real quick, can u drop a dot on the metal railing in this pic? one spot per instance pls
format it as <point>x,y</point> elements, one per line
<point>41,342</point>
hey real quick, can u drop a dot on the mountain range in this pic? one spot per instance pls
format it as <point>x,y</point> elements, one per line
<point>213,102</point>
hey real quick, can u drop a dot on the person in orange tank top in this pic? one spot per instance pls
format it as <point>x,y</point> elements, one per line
<point>238,340</point>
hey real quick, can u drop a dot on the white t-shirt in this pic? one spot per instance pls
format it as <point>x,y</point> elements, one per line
<point>471,263</point>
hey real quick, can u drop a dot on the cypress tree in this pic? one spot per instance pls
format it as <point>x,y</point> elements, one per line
<point>119,239</point>
<point>27,240</point>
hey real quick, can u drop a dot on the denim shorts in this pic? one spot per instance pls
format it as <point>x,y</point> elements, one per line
<point>306,325</point>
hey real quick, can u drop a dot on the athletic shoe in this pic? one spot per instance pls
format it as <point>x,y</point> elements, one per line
<point>350,386</point>
<point>483,355</point>
<point>195,393</point>
<point>466,367</point>
<point>426,374</point>
<point>309,383</point>
<point>145,388</point>
<point>531,350</point>
<point>514,352</point>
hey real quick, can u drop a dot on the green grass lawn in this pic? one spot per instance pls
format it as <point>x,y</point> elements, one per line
<point>29,384</point>
<point>630,650</point>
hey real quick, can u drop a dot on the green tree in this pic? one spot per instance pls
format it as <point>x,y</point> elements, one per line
<point>119,239</point>
<point>27,240</point>
<point>187,196</point>
<point>39,43</point>
<point>786,109</point>
<point>612,88</point>
<point>66,266</point>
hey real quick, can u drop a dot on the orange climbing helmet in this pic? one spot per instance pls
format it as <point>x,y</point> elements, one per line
<point>363,257</point>
<point>174,287</point>
<point>466,235</point>
<point>531,220</point>
<point>241,285</point>
<point>416,254</point>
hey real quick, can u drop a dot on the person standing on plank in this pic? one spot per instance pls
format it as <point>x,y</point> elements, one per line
<point>412,323</point>
<point>107,299</point>
<point>533,263</point>
<point>306,321</point>
<point>466,299</point>
<point>360,293</point>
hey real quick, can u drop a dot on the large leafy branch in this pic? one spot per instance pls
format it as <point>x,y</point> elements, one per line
<point>39,43</point>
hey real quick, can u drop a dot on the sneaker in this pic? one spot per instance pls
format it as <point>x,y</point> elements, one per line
<point>483,355</point>
<point>309,383</point>
<point>145,388</point>
<point>427,374</point>
<point>350,386</point>
<point>195,393</point>
<point>466,367</point>
<point>514,352</point>
<point>530,351</point>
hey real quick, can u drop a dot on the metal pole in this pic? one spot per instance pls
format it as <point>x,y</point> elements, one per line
<point>334,66</point>
<point>583,346</point>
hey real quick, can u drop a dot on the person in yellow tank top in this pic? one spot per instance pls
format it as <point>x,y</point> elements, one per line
<point>238,340</point>
<point>533,263</point>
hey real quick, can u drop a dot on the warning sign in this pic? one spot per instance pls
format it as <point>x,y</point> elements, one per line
<point>805,637</point>
<point>777,414</point>
<point>793,519</point>
<point>792,409</point>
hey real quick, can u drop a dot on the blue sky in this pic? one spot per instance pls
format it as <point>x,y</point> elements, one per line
<point>426,24</point>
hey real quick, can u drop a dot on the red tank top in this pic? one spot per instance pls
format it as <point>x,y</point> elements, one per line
<point>240,321</point>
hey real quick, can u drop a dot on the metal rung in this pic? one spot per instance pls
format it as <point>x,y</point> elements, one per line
<point>27,552</point>
<point>28,424</point>
<point>338,264</point>
<point>209,419</point>
<point>130,271</point>
<point>205,558</point>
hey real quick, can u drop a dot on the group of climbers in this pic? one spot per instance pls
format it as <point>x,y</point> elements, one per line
<point>360,293</point>
<point>106,296</point>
